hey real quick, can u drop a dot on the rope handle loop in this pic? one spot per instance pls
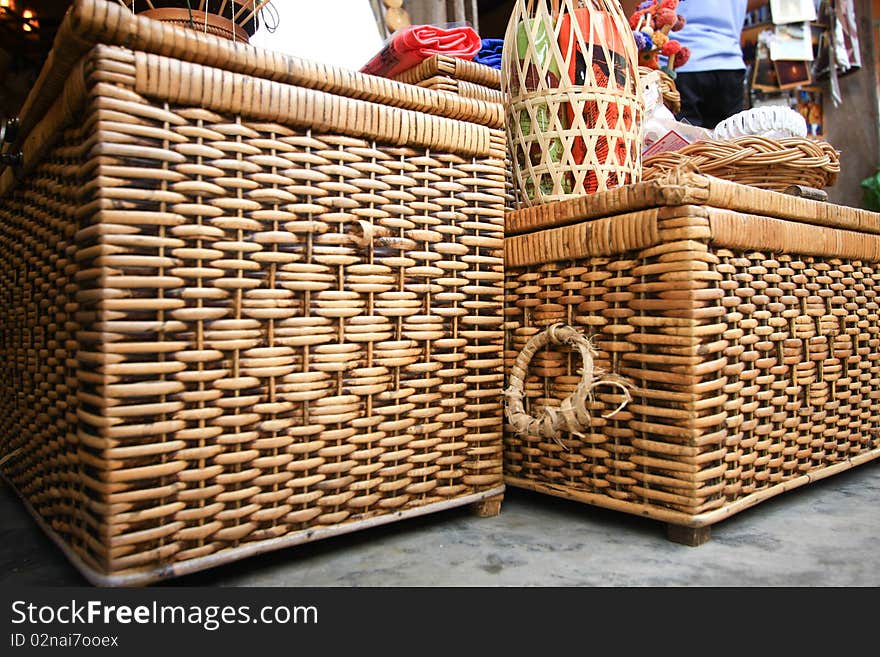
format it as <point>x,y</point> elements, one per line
<point>572,415</point>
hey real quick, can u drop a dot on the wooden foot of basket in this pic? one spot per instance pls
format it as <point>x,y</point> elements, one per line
<point>488,508</point>
<point>690,536</point>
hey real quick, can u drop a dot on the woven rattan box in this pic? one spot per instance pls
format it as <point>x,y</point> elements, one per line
<point>248,301</point>
<point>742,327</point>
<point>459,76</point>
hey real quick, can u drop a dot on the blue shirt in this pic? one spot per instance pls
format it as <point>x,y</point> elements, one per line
<point>713,33</point>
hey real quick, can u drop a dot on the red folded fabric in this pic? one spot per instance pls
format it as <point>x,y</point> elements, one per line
<point>411,45</point>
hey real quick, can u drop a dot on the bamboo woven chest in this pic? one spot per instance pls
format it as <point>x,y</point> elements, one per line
<point>248,301</point>
<point>739,329</point>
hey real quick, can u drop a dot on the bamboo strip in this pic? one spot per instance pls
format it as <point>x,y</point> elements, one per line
<point>259,5</point>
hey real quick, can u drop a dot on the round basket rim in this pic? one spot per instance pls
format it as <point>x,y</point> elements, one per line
<point>756,161</point>
<point>177,12</point>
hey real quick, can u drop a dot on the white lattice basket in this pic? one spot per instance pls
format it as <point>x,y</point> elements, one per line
<point>574,108</point>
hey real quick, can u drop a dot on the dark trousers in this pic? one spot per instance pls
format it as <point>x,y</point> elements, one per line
<point>709,97</point>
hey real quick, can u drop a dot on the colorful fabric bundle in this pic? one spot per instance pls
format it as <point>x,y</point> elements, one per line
<point>411,45</point>
<point>490,53</point>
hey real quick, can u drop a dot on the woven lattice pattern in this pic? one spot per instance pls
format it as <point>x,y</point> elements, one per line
<point>574,113</point>
<point>466,79</point>
<point>749,369</point>
<point>38,412</point>
<point>221,330</point>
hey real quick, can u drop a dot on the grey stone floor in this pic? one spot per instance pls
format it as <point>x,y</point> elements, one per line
<point>823,534</point>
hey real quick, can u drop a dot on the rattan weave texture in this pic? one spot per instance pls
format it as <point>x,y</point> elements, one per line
<point>239,314</point>
<point>467,79</point>
<point>747,321</point>
<point>460,76</point>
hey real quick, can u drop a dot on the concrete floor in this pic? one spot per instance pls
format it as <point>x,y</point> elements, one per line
<point>823,534</point>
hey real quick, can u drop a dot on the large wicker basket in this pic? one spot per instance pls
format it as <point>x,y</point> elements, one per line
<point>739,329</point>
<point>247,301</point>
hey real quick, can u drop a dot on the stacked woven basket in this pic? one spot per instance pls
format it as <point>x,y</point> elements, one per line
<point>459,76</point>
<point>688,346</point>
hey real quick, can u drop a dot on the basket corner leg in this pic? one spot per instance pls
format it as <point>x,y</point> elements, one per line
<point>488,508</point>
<point>690,536</point>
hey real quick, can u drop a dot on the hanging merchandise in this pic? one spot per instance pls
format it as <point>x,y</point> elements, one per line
<point>793,41</point>
<point>846,37</point>
<point>574,105</point>
<point>844,50</point>
<point>792,11</point>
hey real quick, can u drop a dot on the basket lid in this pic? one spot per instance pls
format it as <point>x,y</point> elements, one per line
<point>459,69</point>
<point>686,186</point>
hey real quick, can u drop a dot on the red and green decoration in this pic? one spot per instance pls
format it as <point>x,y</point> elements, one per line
<point>652,23</point>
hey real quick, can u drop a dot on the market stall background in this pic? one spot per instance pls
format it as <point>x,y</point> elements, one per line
<point>853,127</point>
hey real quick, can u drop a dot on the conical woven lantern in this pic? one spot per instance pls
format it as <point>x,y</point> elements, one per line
<point>574,108</point>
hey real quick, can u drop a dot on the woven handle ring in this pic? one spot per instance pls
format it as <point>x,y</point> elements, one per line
<point>572,415</point>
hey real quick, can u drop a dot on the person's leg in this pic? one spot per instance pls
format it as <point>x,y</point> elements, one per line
<point>726,98</point>
<point>691,87</point>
